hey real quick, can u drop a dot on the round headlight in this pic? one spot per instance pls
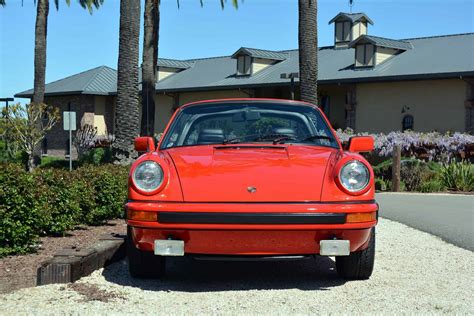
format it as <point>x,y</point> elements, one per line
<point>354,176</point>
<point>148,176</point>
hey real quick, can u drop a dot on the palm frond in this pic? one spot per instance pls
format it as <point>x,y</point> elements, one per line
<point>56,4</point>
<point>177,3</point>
<point>202,3</point>
<point>2,3</point>
<point>90,4</point>
<point>235,4</point>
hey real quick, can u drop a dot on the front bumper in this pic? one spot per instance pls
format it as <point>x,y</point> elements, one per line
<point>251,228</point>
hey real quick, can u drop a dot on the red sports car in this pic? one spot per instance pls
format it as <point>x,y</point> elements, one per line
<point>251,179</point>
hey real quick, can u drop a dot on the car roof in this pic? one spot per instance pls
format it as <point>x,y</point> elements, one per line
<point>252,100</point>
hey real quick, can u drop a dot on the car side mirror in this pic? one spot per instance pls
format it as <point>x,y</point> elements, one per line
<point>144,144</point>
<point>359,144</point>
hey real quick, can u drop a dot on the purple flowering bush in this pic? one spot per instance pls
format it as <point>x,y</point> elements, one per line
<point>432,146</point>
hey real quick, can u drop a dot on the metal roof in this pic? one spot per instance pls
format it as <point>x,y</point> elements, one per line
<point>354,17</point>
<point>447,56</point>
<point>98,81</point>
<point>383,42</point>
<point>260,53</point>
<point>174,63</point>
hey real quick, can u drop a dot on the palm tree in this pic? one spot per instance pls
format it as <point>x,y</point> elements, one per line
<point>41,30</point>
<point>151,21</point>
<point>308,50</point>
<point>127,117</point>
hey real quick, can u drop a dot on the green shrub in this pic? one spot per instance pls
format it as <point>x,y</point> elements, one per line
<point>433,185</point>
<point>19,212</point>
<point>96,156</point>
<point>414,173</point>
<point>458,176</point>
<point>60,206</point>
<point>52,201</point>
<point>107,192</point>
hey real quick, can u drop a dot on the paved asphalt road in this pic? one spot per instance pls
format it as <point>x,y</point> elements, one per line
<point>448,216</point>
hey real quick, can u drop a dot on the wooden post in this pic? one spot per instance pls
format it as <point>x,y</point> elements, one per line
<point>396,166</point>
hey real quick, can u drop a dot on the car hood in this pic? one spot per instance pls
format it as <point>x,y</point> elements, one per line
<point>229,173</point>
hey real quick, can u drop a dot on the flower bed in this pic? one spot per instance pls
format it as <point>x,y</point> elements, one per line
<point>426,146</point>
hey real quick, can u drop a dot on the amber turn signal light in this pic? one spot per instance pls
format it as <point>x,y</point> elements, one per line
<point>142,216</point>
<point>361,217</point>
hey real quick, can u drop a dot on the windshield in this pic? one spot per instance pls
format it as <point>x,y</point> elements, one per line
<point>251,122</point>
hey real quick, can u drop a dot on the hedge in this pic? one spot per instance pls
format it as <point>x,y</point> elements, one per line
<point>52,201</point>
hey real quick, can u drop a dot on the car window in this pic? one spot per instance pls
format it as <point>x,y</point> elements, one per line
<point>248,123</point>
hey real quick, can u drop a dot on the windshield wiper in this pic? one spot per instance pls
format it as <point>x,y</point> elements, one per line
<point>313,137</point>
<point>233,140</point>
<point>275,138</point>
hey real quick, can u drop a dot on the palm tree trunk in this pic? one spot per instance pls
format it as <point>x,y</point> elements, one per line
<point>41,30</point>
<point>308,50</point>
<point>127,117</point>
<point>150,57</point>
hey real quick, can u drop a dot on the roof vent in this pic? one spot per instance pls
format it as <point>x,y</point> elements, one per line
<point>251,60</point>
<point>348,27</point>
<point>373,50</point>
<point>168,67</point>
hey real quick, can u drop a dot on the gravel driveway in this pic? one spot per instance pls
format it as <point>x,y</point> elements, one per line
<point>414,272</point>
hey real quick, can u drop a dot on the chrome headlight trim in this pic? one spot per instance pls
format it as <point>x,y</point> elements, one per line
<point>148,176</point>
<point>354,176</point>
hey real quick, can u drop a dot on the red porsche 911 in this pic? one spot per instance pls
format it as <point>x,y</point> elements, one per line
<point>251,179</point>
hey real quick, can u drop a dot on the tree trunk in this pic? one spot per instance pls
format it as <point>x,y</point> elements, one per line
<point>41,30</point>
<point>127,119</point>
<point>308,50</point>
<point>150,57</point>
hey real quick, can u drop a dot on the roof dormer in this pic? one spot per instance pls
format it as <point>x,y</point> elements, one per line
<point>348,27</point>
<point>251,61</point>
<point>167,67</point>
<point>373,50</point>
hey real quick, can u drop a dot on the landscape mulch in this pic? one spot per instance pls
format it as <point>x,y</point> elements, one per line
<point>18,272</point>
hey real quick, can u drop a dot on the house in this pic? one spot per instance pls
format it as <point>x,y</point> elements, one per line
<point>366,82</point>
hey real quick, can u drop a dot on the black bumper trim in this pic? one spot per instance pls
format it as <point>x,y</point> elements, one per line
<point>250,218</point>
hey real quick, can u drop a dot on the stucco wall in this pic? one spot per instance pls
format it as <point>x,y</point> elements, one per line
<point>163,111</point>
<point>337,101</point>
<point>164,103</point>
<point>57,138</point>
<point>436,105</point>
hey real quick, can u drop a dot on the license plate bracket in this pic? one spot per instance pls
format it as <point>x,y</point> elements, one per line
<point>169,248</point>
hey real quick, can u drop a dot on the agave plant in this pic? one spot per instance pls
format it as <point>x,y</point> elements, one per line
<point>458,176</point>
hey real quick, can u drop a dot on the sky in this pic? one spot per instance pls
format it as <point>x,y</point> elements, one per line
<point>78,41</point>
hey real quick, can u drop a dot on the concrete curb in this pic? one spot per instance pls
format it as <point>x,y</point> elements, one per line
<point>427,194</point>
<point>71,264</point>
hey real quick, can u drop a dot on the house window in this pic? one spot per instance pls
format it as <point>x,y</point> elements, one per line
<point>343,31</point>
<point>244,64</point>
<point>407,122</point>
<point>365,55</point>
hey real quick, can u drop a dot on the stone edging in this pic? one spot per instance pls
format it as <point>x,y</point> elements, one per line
<point>70,264</point>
